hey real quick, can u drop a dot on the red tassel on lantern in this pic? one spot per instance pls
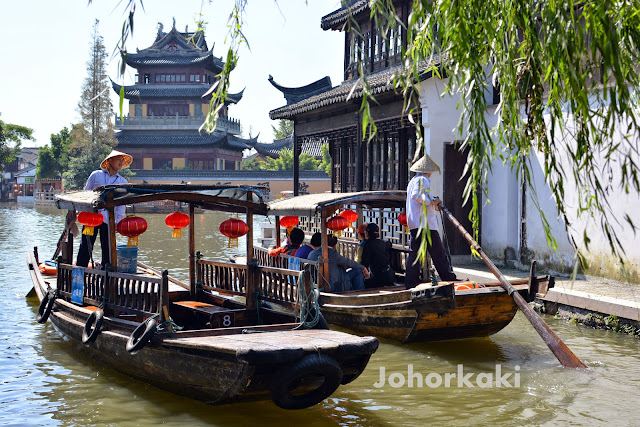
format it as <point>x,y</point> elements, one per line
<point>234,228</point>
<point>177,221</point>
<point>132,227</point>
<point>90,220</point>
<point>289,222</point>
<point>337,224</point>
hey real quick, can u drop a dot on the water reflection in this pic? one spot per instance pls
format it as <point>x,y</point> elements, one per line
<point>46,379</point>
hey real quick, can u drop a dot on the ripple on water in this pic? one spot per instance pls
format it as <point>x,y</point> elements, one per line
<point>46,379</point>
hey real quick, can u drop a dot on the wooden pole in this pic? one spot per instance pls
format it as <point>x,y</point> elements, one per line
<point>323,281</point>
<point>278,240</point>
<point>192,250</point>
<point>252,264</point>
<point>564,355</point>
<point>112,234</point>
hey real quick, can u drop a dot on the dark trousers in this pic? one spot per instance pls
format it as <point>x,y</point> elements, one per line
<point>438,257</point>
<point>83,251</point>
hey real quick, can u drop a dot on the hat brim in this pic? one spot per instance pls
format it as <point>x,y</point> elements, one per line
<point>425,165</point>
<point>128,159</point>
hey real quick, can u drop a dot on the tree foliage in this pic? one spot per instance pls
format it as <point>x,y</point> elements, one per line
<point>10,137</point>
<point>95,105</point>
<point>80,167</point>
<point>53,160</point>
<point>284,129</point>
<point>325,163</point>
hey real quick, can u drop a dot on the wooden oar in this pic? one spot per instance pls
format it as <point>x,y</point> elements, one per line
<point>555,344</point>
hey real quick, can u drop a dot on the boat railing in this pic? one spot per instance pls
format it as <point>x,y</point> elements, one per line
<point>273,284</point>
<point>227,277</point>
<point>127,293</point>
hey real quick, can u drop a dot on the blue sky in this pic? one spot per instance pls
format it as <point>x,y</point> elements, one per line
<point>46,44</point>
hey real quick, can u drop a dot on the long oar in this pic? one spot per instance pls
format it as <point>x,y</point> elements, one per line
<point>555,344</point>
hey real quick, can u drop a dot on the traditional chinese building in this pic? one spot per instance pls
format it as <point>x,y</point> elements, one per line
<point>167,106</point>
<point>331,115</point>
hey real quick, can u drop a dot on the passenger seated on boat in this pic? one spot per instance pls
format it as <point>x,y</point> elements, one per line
<point>314,243</point>
<point>362,240</point>
<point>295,238</point>
<point>340,279</point>
<point>375,256</point>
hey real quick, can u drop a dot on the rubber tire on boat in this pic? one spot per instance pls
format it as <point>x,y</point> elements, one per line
<point>289,376</point>
<point>89,335</point>
<point>46,305</point>
<point>142,334</point>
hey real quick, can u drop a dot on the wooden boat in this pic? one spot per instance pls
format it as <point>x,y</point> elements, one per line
<point>193,338</point>
<point>424,313</point>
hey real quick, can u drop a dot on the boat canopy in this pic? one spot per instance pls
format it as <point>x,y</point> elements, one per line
<point>228,198</point>
<point>312,204</point>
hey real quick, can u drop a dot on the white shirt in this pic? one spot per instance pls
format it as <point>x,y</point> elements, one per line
<point>99,178</point>
<point>419,195</point>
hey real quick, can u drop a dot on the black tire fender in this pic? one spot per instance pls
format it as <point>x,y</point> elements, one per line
<point>288,378</point>
<point>46,305</point>
<point>89,335</point>
<point>141,335</point>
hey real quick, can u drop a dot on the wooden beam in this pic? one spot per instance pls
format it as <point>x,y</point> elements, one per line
<point>252,265</point>
<point>192,250</point>
<point>323,282</point>
<point>113,255</point>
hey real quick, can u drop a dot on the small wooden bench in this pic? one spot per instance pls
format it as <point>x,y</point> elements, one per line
<point>218,317</point>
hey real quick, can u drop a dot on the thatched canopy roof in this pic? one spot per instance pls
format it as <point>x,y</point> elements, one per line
<point>311,204</point>
<point>213,197</point>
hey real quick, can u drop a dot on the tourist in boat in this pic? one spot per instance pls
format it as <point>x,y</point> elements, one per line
<point>340,279</point>
<point>362,240</point>
<point>294,240</point>
<point>108,174</point>
<point>314,243</point>
<point>419,195</point>
<point>375,256</point>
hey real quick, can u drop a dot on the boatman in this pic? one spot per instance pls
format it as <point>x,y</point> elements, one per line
<point>107,175</point>
<point>419,199</point>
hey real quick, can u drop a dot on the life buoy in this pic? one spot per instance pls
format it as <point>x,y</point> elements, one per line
<point>49,267</point>
<point>141,335</point>
<point>310,367</point>
<point>463,286</point>
<point>46,305</point>
<point>89,335</point>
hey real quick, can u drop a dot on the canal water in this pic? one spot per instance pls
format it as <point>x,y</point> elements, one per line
<point>46,380</point>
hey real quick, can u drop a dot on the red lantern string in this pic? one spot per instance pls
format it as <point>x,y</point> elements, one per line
<point>337,224</point>
<point>289,222</point>
<point>90,220</point>
<point>177,221</point>
<point>132,227</point>
<point>402,219</point>
<point>233,228</point>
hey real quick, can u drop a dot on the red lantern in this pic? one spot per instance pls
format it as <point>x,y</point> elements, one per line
<point>234,228</point>
<point>350,216</point>
<point>337,224</point>
<point>132,227</point>
<point>177,221</point>
<point>90,220</point>
<point>402,219</point>
<point>289,222</point>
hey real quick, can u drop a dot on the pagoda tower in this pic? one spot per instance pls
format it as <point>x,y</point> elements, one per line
<point>167,108</point>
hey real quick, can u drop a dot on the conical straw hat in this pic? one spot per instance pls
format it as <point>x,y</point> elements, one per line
<point>114,153</point>
<point>424,165</point>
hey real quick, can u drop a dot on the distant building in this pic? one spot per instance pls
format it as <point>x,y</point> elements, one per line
<point>18,177</point>
<point>272,150</point>
<point>167,107</point>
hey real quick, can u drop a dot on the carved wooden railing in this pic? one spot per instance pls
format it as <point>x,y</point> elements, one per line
<point>227,278</point>
<point>271,283</point>
<point>128,293</point>
<point>278,284</point>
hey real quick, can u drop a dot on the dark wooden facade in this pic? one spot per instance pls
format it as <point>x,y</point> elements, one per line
<point>333,116</point>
